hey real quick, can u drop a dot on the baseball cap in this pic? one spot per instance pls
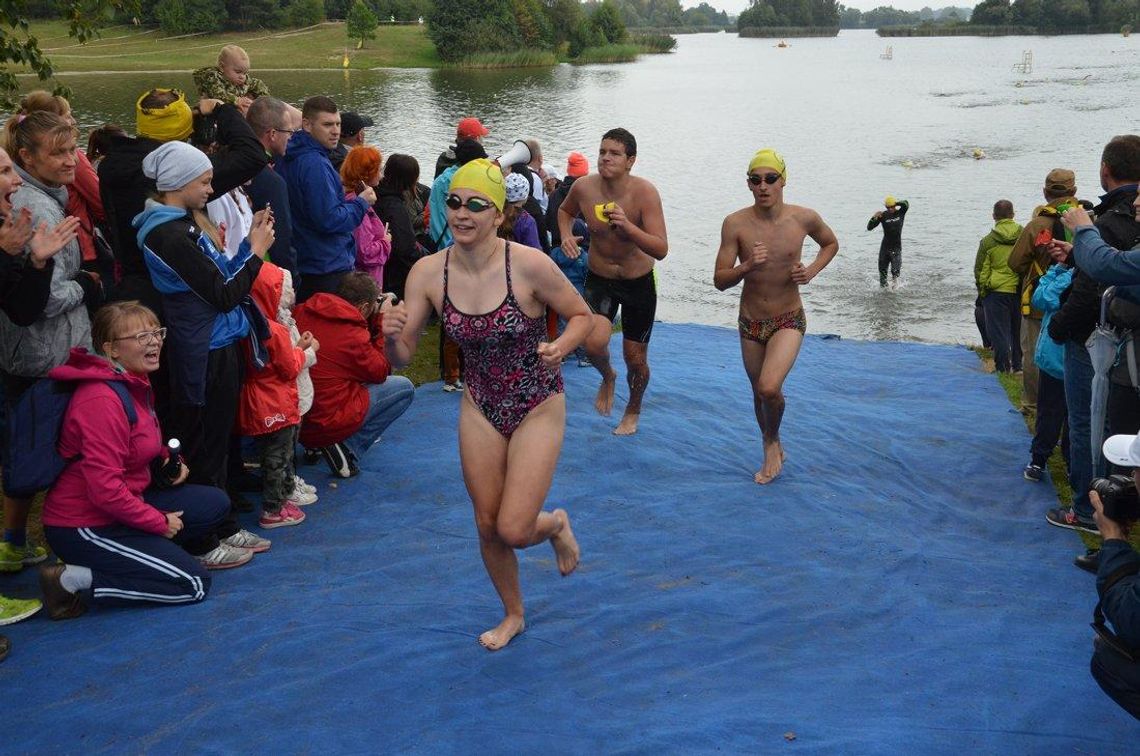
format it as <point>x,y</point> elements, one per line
<point>577,165</point>
<point>352,123</point>
<point>1123,451</point>
<point>1061,180</point>
<point>471,128</point>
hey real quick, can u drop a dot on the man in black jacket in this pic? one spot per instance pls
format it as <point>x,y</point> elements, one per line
<point>163,115</point>
<point>273,123</point>
<point>1075,321</point>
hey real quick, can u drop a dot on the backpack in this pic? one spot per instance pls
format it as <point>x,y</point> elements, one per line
<point>34,424</point>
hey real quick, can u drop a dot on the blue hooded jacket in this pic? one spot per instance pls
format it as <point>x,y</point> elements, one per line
<point>323,220</point>
<point>202,292</point>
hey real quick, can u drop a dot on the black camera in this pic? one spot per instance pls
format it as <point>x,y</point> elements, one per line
<point>1118,497</point>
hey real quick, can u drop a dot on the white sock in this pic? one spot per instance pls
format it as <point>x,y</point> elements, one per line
<point>75,578</point>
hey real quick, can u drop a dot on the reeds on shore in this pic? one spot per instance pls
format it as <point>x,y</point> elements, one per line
<point>515,59</point>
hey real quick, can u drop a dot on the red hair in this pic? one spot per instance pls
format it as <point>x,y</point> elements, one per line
<point>361,164</point>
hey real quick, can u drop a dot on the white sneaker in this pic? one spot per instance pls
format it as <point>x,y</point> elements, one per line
<point>302,499</point>
<point>243,539</point>
<point>224,556</point>
<point>299,484</point>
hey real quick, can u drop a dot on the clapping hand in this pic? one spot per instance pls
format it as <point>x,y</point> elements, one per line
<point>16,232</point>
<point>44,243</point>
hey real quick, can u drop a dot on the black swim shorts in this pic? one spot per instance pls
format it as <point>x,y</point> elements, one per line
<point>637,298</point>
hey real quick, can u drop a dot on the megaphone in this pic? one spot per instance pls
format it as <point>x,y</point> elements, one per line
<point>518,153</point>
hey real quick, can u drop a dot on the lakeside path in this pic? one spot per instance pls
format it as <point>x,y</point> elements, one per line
<point>140,49</point>
<point>896,590</point>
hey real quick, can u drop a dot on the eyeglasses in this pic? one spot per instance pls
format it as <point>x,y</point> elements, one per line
<point>474,204</point>
<point>146,337</point>
<point>284,131</point>
<point>767,178</point>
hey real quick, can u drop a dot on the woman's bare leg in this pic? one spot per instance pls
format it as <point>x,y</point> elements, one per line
<point>508,485</point>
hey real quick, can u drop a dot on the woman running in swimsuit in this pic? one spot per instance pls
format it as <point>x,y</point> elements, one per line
<point>491,296</point>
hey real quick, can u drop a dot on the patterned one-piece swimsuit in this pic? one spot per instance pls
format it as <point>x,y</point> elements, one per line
<point>505,376</point>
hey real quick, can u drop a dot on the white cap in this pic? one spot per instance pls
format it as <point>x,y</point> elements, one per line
<point>1123,451</point>
<point>551,172</point>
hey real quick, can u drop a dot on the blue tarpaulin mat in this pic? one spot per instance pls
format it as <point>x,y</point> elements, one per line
<point>896,590</point>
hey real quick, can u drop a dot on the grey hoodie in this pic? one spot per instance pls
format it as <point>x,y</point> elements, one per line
<point>33,351</point>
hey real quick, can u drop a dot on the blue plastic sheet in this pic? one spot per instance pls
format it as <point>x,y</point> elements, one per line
<point>896,590</point>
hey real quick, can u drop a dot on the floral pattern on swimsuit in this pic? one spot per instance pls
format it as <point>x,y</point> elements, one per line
<point>762,330</point>
<point>505,376</point>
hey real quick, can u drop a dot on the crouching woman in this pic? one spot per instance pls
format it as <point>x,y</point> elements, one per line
<point>116,533</point>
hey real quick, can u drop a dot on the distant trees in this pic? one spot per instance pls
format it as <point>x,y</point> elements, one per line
<point>1051,16</point>
<point>885,15</point>
<point>765,13</point>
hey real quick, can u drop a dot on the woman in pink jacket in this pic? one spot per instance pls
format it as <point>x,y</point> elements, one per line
<point>373,242</point>
<point>116,533</point>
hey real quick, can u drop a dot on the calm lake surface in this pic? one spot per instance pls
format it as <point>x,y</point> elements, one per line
<point>852,127</point>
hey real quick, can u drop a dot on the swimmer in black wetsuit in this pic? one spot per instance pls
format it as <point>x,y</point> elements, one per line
<point>890,251</point>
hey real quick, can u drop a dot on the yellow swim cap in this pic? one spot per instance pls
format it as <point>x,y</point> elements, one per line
<point>170,123</point>
<point>890,201</point>
<point>483,176</point>
<point>768,158</point>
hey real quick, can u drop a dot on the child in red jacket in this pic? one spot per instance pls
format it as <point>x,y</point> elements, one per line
<point>269,405</point>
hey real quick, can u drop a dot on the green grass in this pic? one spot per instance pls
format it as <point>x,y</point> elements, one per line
<point>515,59</point>
<point>623,53</point>
<point>654,43</point>
<point>131,48</point>
<point>1013,388</point>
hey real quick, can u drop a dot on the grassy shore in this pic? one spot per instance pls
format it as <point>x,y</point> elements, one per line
<point>121,49</point>
<point>131,48</point>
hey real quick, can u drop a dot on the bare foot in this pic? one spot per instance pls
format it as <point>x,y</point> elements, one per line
<point>628,424</point>
<point>773,463</point>
<point>565,545</point>
<point>604,403</point>
<point>500,636</point>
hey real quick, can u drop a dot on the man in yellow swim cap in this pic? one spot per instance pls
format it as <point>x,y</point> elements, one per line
<point>761,245</point>
<point>890,250</point>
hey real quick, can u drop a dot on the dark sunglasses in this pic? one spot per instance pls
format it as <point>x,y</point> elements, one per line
<point>474,204</point>
<point>767,178</point>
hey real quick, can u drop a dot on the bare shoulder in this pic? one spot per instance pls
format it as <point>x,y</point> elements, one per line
<point>529,260</point>
<point>644,187</point>
<point>807,218</point>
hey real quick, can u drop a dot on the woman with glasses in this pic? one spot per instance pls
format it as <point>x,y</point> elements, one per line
<point>491,296</point>
<point>120,509</point>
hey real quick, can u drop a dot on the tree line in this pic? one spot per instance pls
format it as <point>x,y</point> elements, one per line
<point>853,18</point>
<point>1053,16</point>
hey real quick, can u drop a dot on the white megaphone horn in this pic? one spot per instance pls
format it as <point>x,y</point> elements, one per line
<point>518,153</point>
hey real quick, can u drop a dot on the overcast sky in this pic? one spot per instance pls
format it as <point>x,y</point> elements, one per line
<point>735,6</point>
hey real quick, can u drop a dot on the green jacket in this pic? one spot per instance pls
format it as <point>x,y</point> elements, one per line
<point>991,266</point>
<point>211,83</point>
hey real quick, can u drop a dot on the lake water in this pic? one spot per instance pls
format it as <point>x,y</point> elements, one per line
<point>852,127</point>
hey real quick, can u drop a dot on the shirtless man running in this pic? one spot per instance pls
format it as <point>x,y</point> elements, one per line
<point>627,235</point>
<point>761,245</point>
